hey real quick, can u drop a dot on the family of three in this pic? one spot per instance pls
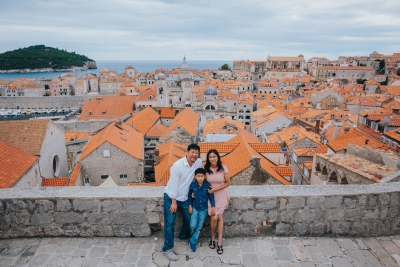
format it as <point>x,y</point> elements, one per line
<point>195,192</point>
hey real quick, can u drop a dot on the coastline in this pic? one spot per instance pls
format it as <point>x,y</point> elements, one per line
<point>46,70</point>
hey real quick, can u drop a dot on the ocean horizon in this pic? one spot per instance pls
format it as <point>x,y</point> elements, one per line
<point>142,66</point>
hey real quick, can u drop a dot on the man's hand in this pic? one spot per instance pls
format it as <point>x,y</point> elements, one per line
<point>190,210</point>
<point>173,207</point>
<point>213,211</point>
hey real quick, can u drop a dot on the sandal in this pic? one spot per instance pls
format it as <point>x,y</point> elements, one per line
<point>212,244</point>
<point>220,250</point>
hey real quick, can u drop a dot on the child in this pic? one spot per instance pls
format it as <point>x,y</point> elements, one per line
<point>198,205</point>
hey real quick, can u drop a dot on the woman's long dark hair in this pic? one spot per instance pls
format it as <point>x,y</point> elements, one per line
<point>207,167</point>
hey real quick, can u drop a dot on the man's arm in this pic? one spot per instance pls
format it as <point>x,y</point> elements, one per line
<point>173,185</point>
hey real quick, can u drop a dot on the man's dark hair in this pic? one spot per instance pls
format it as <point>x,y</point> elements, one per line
<point>200,170</point>
<point>193,146</point>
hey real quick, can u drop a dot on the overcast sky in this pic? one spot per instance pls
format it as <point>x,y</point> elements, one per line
<point>203,30</point>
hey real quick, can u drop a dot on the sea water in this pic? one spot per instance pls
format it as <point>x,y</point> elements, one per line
<point>142,66</point>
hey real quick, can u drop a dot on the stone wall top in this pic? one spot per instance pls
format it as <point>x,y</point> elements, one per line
<point>234,191</point>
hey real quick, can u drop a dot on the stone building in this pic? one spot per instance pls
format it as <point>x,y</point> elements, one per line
<point>42,138</point>
<point>257,68</point>
<point>284,67</point>
<point>301,158</point>
<point>117,151</point>
<point>324,73</point>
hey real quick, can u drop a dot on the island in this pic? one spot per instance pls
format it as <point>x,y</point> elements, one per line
<point>41,58</point>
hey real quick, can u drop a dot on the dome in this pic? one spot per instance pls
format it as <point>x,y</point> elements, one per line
<point>210,91</point>
<point>184,65</point>
<point>161,76</point>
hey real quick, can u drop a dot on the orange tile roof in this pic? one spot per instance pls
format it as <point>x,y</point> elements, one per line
<point>127,139</point>
<point>286,135</point>
<point>62,181</point>
<point>266,147</point>
<point>369,131</point>
<point>167,113</point>
<point>148,95</point>
<point>219,125</point>
<point>157,130</point>
<point>394,134</point>
<point>303,152</point>
<point>330,130</point>
<point>308,164</point>
<point>107,107</point>
<point>284,170</point>
<point>321,149</point>
<point>355,138</point>
<point>14,163</point>
<point>239,159</point>
<point>144,120</point>
<point>27,135</point>
<point>220,147</point>
<point>71,136</point>
<point>75,175</point>
<point>187,119</point>
<point>169,153</point>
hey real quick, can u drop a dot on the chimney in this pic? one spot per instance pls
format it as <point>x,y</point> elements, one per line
<point>337,124</point>
<point>212,131</point>
<point>156,157</point>
<point>255,161</point>
<point>346,129</point>
<point>308,129</point>
<point>366,142</point>
<point>322,124</point>
<point>317,125</point>
<point>118,123</point>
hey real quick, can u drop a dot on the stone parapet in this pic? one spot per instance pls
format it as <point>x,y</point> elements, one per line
<point>359,210</point>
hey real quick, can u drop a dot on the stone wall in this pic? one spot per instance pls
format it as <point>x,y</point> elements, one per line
<point>359,210</point>
<point>45,102</point>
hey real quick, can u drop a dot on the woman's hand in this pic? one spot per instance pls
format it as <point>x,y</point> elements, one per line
<point>192,194</point>
<point>210,191</point>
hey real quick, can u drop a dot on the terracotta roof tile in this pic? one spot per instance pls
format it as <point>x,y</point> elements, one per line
<point>284,170</point>
<point>157,130</point>
<point>394,134</point>
<point>14,163</point>
<point>127,139</point>
<point>75,175</point>
<point>308,164</point>
<point>55,181</point>
<point>27,135</point>
<point>224,125</point>
<point>187,119</point>
<point>107,107</point>
<point>266,147</point>
<point>321,149</point>
<point>286,135</point>
<point>369,131</point>
<point>169,153</point>
<point>303,152</point>
<point>71,136</point>
<point>355,137</point>
<point>144,120</point>
<point>220,147</point>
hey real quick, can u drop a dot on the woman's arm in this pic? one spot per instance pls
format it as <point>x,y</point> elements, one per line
<point>227,182</point>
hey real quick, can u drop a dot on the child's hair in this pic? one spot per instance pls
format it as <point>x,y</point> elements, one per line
<point>200,170</point>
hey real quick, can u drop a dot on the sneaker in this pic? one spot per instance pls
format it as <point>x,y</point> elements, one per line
<point>170,255</point>
<point>192,247</point>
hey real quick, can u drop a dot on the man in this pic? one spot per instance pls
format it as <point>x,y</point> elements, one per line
<point>176,198</point>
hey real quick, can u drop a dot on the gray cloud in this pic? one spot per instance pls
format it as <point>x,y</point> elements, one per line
<point>203,30</point>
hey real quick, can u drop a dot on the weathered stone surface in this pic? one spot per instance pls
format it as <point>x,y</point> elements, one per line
<point>296,202</point>
<point>371,214</point>
<point>353,214</point>
<point>272,216</point>
<point>283,229</point>
<point>314,202</point>
<point>122,230</point>
<point>103,230</point>
<point>394,199</point>
<point>41,219</point>
<point>333,215</point>
<point>243,203</point>
<point>111,205</point>
<point>98,218</point>
<point>135,205</point>
<point>53,231</point>
<point>141,230</point>
<point>85,205</point>
<point>63,205</point>
<point>20,218</point>
<point>71,230</point>
<point>266,204</point>
<point>249,217</point>
<point>15,205</point>
<point>288,216</point>
<point>299,250</point>
<point>44,206</point>
<point>1,207</point>
<point>153,217</point>
<point>68,217</point>
<point>360,228</point>
<point>349,202</point>
<point>128,218</point>
<point>383,199</point>
<point>362,200</point>
<point>340,227</point>
<point>230,216</point>
<point>372,201</point>
<point>300,228</point>
<point>332,202</point>
<point>308,215</point>
<point>317,228</point>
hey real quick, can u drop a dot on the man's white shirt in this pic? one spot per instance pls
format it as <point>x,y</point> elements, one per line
<point>181,176</point>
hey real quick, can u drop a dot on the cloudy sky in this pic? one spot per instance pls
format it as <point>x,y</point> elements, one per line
<point>203,30</point>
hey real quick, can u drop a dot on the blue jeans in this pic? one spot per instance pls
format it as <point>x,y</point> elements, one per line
<point>169,222</point>
<point>196,224</point>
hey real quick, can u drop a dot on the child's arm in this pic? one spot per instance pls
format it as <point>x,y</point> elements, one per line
<point>190,210</point>
<point>212,202</point>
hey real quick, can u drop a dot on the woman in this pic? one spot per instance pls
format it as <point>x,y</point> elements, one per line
<point>217,175</point>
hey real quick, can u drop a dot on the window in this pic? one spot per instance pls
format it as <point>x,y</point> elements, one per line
<point>86,180</point>
<point>123,176</point>
<point>55,165</point>
<point>106,153</point>
<point>104,176</point>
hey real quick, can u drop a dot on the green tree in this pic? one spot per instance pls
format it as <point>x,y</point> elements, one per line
<point>225,67</point>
